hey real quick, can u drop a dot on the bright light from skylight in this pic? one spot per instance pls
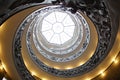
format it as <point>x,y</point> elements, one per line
<point>58,27</point>
<point>4,78</point>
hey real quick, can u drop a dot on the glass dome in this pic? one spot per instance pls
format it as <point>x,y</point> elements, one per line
<point>58,27</point>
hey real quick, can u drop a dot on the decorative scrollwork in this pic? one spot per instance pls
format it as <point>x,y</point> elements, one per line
<point>24,73</point>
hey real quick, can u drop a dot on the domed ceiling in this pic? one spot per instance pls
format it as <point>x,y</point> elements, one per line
<point>59,40</point>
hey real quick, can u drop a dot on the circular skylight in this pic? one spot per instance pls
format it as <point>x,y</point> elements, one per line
<point>58,34</point>
<point>58,27</point>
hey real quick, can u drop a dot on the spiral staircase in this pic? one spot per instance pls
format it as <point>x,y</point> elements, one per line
<point>45,41</point>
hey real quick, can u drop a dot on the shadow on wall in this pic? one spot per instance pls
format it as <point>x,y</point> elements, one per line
<point>7,5</point>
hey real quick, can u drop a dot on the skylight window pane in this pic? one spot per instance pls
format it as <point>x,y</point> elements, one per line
<point>64,37</point>
<point>48,34</point>
<point>69,30</point>
<point>60,16</point>
<point>51,18</point>
<point>47,26</point>
<point>56,39</point>
<point>68,21</point>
